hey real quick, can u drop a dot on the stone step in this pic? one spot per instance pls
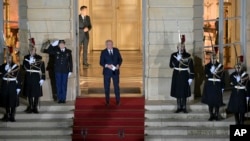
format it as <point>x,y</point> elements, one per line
<point>35,131</point>
<point>38,123</point>
<point>188,123</point>
<point>204,131</point>
<point>45,115</point>
<point>36,138</point>
<point>166,114</point>
<point>186,138</point>
<point>171,106</point>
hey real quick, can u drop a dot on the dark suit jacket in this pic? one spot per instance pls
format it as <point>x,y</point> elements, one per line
<point>114,59</point>
<point>84,23</point>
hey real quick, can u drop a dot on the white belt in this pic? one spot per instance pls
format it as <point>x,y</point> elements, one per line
<point>239,87</point>
<point>181,69</point>
<point>36,71</point>
<point>9,79</point>
<point>214,79</point>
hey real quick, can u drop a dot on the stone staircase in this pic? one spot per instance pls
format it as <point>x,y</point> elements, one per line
<point>53,123</point>
<point>161,123</point>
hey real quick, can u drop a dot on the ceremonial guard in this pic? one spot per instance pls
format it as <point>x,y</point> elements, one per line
<point>63,67</point>
<point>34,78</point>
<point>214,87</point>
<point>239,95</point>
<point>11,86</point>
<point>183,73</point>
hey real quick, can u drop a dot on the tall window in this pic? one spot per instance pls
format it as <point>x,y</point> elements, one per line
<point>223,30</point>
<point>10,27</point>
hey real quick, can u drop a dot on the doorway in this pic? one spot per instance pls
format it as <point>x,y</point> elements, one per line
<point>119,20</point>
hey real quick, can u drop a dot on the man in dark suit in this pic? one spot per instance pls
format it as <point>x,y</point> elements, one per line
<point>84,28</point>
<point>111,61</point>
<point>62,66</point>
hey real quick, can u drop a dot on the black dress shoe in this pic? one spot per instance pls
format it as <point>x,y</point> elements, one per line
<point>107,103</point>
<point>63,101</point>
<point>118,103</point>
<point>60,101</point>
<point>211,118</point>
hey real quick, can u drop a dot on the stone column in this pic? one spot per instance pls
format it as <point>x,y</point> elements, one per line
<point>49,19</point>
<point>161,41</point>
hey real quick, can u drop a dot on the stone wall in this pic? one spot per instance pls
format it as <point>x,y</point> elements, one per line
<point>161,38</point>
<point>49,19</point>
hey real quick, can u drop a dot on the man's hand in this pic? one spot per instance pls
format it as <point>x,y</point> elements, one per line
<point>190,81</point>
<point>179,57</point>
<point>238,78</point>
<point>7,67</point>
<point>55,43</point>
<point>117,67</point>
<point>41,82</point>
<point>69,74</point>
<point>86,29</point>
<point>18,91</point>
<point>212,69</point>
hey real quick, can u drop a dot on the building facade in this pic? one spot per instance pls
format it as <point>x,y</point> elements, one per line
<point>160,21</point>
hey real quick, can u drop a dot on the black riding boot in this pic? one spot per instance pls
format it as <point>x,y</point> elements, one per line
<point>184,105</point>
<point>6,116</point>
<point>35,110</point>
<point>12,114</point>
<point>30,107</point>
<point>241,118</point>
<point>178,105</point>
<point>237,118</point>
<point>216,115</point>
<point>211,109</point>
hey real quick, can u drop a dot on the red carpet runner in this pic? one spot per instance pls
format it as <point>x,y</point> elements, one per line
<point>93,121</point>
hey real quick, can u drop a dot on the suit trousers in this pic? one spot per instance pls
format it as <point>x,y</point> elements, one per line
<point>61,85</point>
<point>115,79</point>
<point>84,40</point>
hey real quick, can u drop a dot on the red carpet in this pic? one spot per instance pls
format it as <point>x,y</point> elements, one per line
<point>94,121</point>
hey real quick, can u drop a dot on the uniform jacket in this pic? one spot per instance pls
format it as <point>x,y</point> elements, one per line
<point>33,74</point>
<point>63,60</point>
<point>8,95</point>
<point>114,59</point>
<point>183,70</point>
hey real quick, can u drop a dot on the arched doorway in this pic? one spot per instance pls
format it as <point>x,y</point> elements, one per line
<point>119,20</point>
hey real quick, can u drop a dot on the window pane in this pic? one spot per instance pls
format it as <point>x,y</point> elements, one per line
<point>231,31</point>
<point>231,56</point>
<point>232,8</point>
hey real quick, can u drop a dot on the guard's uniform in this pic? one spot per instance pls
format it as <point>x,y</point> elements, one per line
<point>183,71</point>
<point>62,66</point>
<point>11,81</point>
<point>237,101</point>
<point>34,72</point>
<point>212,92</point>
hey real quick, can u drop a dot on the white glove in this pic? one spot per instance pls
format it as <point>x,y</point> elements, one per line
<point>41,82</point>
<point>32,60</point>
<point>238,78</point>
<point>212,69</point>
<point>18,91</point>
<point>179,57</point>
<point>7,67</point>
<point>55,43</point>
<point>247,99</point>
<point>222,90</point>
<point>190,81</point>
<point>69,74</point>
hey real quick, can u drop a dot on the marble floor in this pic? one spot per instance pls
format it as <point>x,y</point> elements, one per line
<point>91,78</point>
